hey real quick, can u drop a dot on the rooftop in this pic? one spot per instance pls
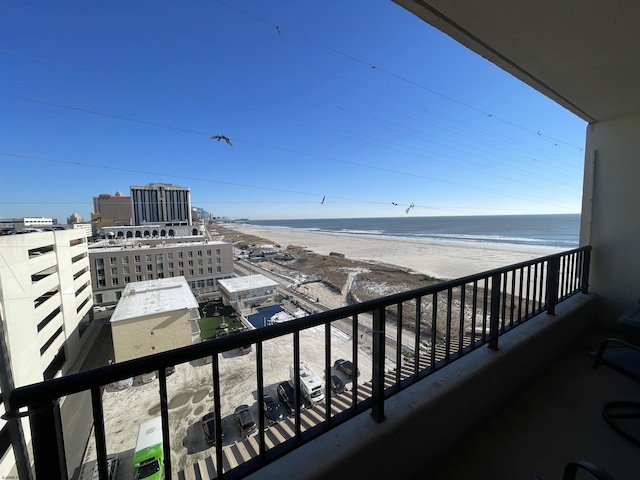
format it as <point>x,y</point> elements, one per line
<point>240,284</point>
<point>154,296</point>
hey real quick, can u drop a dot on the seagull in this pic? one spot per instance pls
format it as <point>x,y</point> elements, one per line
<point>409,208</point>
<point>323,200</point>
<point>539,132</point>
<point>278,29</point>
<point>394,203</point>
<point>222,137</point>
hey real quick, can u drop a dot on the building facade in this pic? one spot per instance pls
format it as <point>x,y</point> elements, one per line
<point>111,210</point>
<point>45,298</point>
<point>243,293</point>
<point>115,265</point>
<point>161,203</point>
<point>154,316</point>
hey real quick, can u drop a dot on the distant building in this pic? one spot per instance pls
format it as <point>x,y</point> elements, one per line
<point>88,228</point>
<point>74,218</point>
<point>154,316</point>
<point>45,307</point>
<point>26,223</point>
<point>118,263</point>
<point>161,203</point>
<point>242,293</point>
<point>151,230</point>
<point>111,210</point>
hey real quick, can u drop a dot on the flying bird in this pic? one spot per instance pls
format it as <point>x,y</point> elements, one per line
<point>409,208</point>
<point>394,203</point>
<point>323,200</point>
<point>222,137</point>
<point>279,32</point>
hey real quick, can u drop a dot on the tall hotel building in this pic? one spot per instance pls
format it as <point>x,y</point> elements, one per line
<point>161,203</point>
<point>45,301</point>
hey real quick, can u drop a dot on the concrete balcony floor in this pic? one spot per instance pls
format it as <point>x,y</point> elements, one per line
<point>554,420</point>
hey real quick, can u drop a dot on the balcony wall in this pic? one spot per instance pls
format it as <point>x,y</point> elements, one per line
<point>429,419</point>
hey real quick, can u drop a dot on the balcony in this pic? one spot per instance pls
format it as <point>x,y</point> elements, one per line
<point>437,373</point>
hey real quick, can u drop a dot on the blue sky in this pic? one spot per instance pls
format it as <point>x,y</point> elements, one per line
<point>358,103</point>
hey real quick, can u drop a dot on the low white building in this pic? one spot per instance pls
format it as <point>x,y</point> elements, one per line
<point>242,293</point>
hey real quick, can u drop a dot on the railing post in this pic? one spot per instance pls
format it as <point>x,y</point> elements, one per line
<point>377,412</point>
<point>586,263</point>
<point>494,317</point>
<point>47,441</point>
<point>553,273</point>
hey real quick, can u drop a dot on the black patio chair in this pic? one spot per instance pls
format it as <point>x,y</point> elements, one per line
<point>624,357</point>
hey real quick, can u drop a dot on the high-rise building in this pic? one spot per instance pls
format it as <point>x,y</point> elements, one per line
<point>111,210</point>
<point>161,203</point>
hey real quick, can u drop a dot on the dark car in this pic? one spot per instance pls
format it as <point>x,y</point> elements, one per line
<point>337,385</point>
<point>346,367</point>
<point>287,396</point>
<point>244,419</point>
<point>209,428</point>
<point>272,411</point>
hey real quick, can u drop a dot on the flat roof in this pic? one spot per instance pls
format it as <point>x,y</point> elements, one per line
<point>240,284</point>
<point>154,296</point>
<point>105,246</point>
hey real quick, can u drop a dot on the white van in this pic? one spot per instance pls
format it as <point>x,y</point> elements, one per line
<point>310,382</point>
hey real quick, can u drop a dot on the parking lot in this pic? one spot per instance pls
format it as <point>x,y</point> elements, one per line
<point>190,395</point>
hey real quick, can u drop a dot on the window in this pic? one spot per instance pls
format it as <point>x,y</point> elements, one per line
<point>210,282</point>
<point>114,271</point>
<point>199,253</point>
<point>170,256</point>
<point>118,295</point>
<point>208,253</point>
<point>102,282</point>
<point>114,281</point>
<point>199,261</point>
<point>160,275</point>
<point>171,274</point>
<point>218,260</point>
<point>138,269</point>
<point>149,276</point>
<point>180,263</point>
<point>209,270</point>
<point>125,270</point>
<point>191,272</point>
<point>218,269</point>
<point>180,254</point>
<point>112,260</point>
<point>98,298</point>
<point>127,279</point>
<point>136,258</point>
<point>125,260</point>
<point>148,258</point>
<point>182,273</point>
<point>191,263</point>
<point>190,254</point>
<point>158,258</point>
<point>200,271</point>
<point>217,251</point>
<point>138,278</point>
<point>170,265</point>
<point>149,268</point>
<point>209,261</point>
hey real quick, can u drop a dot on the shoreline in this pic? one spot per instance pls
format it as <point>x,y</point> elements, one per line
<point>439,259</point>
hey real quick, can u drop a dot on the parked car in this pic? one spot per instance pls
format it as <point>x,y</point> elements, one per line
<point>272,411</point>
<point>346,367</point>
<point>287,396</point>
<point>209,428</point>
<point>112,467</point>
<point>244,419</point>
<point>337,385</point>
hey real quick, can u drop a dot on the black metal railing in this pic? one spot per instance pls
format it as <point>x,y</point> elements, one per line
<point>400,339</point>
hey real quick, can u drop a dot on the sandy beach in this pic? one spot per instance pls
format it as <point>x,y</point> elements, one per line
<point>437,259</point>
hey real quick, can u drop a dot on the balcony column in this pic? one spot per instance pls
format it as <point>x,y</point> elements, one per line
<point>377,412</point>
<point>553,273</point>
<point>48,441</point>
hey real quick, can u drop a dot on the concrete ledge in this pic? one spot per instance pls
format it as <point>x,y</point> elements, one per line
<point>427,420</point>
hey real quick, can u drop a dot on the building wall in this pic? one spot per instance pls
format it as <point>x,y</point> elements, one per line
<point>202,264</point>
<point>111,210</point>
<point>609,220</point>
<point>45,292</point>
<point>151,334</point>
<point>161,202</point>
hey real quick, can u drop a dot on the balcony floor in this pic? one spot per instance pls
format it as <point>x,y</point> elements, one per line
<point>555,420</point>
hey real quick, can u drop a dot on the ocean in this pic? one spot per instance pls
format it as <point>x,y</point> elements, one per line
<point>560,231</point>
